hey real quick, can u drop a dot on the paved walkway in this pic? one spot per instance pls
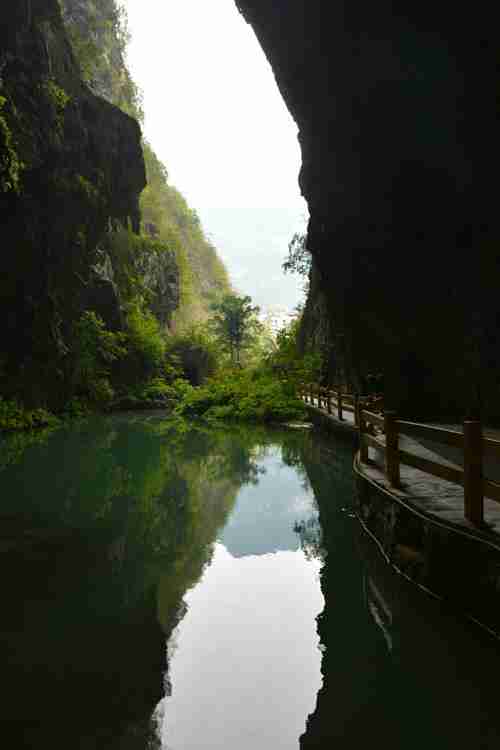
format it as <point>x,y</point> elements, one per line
<point>348,416</point>
<point>436,496</point>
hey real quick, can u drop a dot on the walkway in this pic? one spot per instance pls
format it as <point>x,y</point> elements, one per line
<point>433,495</point>
<point>430,494</point>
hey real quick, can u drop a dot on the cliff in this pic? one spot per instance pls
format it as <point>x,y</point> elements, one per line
<point>77,234</point>
<point>99,37</point>
<point>70,163</point>
<point>397,114</point>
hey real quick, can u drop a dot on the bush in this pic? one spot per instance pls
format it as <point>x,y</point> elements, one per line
<point>95,350</point>
<point>145,339</point>
<point>193,354</point>
<point>243,395</point>
<point>13,416</point>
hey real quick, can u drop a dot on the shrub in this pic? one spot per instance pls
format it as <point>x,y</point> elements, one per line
<point>145,339</point>
<point>193,354</point>
<point>243,395</point>
<point>95,349</point>
<point>13,416</point>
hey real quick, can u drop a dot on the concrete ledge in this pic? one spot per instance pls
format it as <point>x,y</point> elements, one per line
<point>461,566</point>
<point>330,423</point>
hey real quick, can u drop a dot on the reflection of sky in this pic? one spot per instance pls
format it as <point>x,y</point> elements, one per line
<point>264,515</point>
<point>246,670</point>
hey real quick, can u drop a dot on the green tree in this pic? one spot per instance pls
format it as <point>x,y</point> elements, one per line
<point>95,349</point>
<point>299,257</point>
<point>235,324</point>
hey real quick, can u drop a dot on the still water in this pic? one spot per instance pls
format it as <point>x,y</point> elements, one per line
<point>212,589</point>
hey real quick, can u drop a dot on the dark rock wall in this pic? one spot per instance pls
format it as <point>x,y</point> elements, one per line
<point>397,116</point>
<point>81,168</point>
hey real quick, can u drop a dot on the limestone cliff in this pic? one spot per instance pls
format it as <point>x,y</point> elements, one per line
<point>397,118</point>
<point>70,163</point>
<point>99,37</point>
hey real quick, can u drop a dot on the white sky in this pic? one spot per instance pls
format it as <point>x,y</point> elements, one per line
<point>213,112</point>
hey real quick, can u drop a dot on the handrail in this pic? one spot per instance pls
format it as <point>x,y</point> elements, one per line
<point>471,442</point>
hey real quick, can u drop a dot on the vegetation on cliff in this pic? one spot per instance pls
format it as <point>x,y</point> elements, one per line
<point>110,304</point>
<point>99,37</point>
<point>81,261</point>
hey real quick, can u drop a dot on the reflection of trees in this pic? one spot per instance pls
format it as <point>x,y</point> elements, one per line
<point>115,514</point>
<point>311,537</point>
<point>111,522</point>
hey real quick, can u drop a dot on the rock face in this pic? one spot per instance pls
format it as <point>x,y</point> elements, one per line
<point>70,163</point>
<point>161,277</point>
<point>396,113</point>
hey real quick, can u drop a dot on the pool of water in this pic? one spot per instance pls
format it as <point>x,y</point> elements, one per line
<point>212,589</point>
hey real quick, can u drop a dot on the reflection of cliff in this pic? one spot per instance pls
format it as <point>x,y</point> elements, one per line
<point>97,520</point>
<point>398,670</point>
<point>347,707</point>
<point>265,517</point>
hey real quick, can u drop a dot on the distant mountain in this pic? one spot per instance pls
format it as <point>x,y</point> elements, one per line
<point>253,243</point>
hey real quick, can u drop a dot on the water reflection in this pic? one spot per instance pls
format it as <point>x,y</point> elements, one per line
<point>105,526</point>
<point>269,513</point>
<point>120,536</point>
<point>244,668</point>
<point>245,671</point>
<point>399,668</point>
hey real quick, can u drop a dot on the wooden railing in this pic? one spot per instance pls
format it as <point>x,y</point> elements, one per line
<point>472,445</point>
<point>382,430</point>
<point>337,400</point>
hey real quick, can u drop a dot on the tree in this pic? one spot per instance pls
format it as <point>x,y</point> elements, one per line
<point>235,324</point>
<point>299,257</point>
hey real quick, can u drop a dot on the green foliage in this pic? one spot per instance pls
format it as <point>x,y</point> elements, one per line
<point>99,35</point>
<point>286,360</point>
<point>95,350</point>
<point>13,416</point>
<point>299,257</point>
<point>86,187</point>
<point>144,338</point>
<point>56,94</point>
<point>132,256</point>
<point>203,276</point>
<point>243,395</point>
<point>11,166</point>
<point>234,323</point>
<point>76,408</point>
<point>193,353</point>
<point>58,99</point>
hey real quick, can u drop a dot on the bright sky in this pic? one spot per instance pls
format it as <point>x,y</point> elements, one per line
<point>213,112</point>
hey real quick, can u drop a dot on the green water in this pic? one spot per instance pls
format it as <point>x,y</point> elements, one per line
<point>211,589</point>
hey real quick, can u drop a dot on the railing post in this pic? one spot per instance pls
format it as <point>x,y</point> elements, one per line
<point>363,447</point>
<point>329,401</point>
<point>311,394</point>
<point>391,448</point>
<point>473,472</point>
<point>356,409</point>
<point>339,404</point>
